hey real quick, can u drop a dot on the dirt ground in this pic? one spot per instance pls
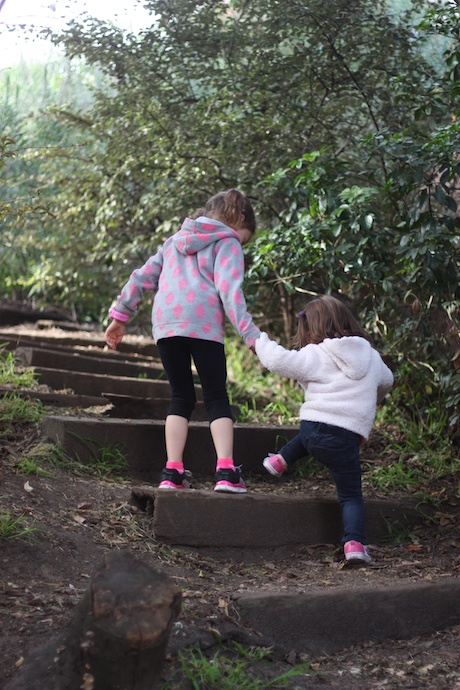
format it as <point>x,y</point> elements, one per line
<point>78,519</point>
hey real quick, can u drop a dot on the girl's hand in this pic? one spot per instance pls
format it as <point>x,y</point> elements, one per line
<point>114,333</point>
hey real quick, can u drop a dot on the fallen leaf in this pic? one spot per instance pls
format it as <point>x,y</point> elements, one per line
<point>223,606</point>
<point>78,518</point>
<point>84,505</point>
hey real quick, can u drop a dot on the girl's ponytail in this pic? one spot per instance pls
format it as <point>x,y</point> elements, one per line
<point>229,206</point>
<point>233,207</point>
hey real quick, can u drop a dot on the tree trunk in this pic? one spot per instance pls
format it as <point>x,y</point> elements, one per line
<point>117,637</point>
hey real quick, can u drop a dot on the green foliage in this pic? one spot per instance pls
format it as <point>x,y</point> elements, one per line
<point>210,96</point>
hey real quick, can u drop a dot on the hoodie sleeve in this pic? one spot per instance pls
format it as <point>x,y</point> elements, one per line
<point>386,381</point>
<point>293,364</point>
<point>142,279</point>
<point>228,279</point>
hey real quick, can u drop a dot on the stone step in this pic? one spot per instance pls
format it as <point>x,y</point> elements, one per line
<point>13,314</point>
<point>151,408</point>
<point>98,384</point>
<point>324,621</point>
<point>143,443</point>
<point>58,399</point>
<point>55,336</point>
<point>74,360</point>
<point>258,521</point>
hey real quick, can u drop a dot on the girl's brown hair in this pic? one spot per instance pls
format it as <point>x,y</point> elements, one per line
<point>325,317</point>
<point>228,207</point>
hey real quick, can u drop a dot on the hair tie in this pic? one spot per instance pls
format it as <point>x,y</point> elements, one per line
<point>301,313</point>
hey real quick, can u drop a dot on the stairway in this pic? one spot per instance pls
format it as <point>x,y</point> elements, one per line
<point>255,526</point>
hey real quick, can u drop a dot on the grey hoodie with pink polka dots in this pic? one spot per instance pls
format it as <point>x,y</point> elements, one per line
<point>197,276</point>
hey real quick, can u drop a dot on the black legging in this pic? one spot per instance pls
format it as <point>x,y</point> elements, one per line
<point>176,355</point>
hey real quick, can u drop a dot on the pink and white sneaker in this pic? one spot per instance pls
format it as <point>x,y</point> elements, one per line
<point>275,464</point>
<point>229,480</point>
<point>356,553</point>
<point>172,479</point>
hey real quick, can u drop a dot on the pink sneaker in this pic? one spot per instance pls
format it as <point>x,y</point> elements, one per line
<point>275,464</point>
<point>356,553</point>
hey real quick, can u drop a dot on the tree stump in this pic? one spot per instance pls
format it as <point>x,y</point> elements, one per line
<point>117,637</point>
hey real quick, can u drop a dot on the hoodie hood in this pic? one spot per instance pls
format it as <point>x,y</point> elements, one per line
<point>200,233</point>
<point>352,355</point>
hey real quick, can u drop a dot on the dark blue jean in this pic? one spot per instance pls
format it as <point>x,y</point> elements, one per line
<point>338,450</point>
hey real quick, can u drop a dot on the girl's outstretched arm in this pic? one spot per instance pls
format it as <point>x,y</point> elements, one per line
<point>294,364</point>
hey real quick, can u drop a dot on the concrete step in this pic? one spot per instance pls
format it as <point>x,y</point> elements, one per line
<point>74,360</point>
<point>325,621</point>
<point>143,443</point>
<point>258,521</point>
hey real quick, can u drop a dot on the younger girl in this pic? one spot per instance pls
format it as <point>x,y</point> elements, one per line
<point>343,378</point>
<point>197,276</point>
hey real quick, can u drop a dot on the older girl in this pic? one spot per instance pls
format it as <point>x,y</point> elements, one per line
<point>197,277</point>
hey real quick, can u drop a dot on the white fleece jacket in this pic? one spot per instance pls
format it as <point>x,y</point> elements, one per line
<point>343,378</point>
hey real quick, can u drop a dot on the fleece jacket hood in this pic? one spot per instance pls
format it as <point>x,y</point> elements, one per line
<point>352,355</point>
<point>198,234</point>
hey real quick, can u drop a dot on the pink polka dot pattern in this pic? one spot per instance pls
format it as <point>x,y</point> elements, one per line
<point>197,274</point>
<point>237,297</point>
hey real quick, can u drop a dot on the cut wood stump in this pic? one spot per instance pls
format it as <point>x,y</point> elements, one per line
<point>117,637</point>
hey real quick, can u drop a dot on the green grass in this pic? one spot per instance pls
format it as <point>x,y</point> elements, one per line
<point>11,374</point>
<point>106,462</point>
<point>423,447</point>
<point>262,397</point>
<point>221,672</point>
<point>15,528</point>
<point>29,466</point>
<point>15,410</point>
